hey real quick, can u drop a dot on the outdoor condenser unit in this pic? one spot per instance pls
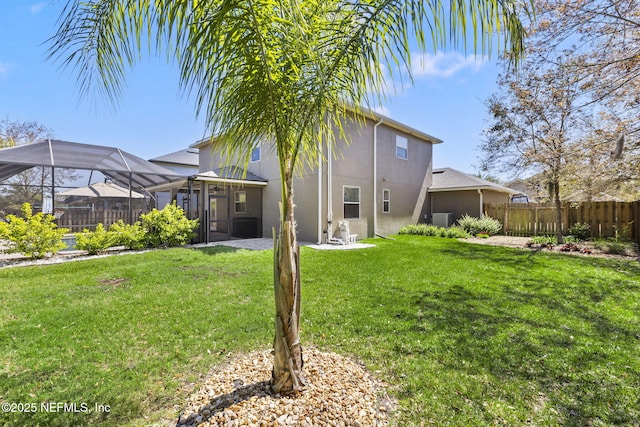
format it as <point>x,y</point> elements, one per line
<point>443,219</point>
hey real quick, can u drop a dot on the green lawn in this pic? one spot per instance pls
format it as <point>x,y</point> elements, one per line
<point>465,335</point>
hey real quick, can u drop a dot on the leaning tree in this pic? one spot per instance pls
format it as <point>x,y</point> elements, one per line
<point>287,71</point>
<point>27,186</point>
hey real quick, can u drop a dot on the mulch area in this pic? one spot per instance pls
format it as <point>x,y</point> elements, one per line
<point>584,248</point>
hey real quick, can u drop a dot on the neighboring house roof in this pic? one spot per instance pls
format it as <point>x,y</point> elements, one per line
<point>102,190</point>
<point>448,179</point>
<point>528,186</point>
<point>186,157</point>
<point>520,185</point>
<point>117,165</point>
<point>377,117</point>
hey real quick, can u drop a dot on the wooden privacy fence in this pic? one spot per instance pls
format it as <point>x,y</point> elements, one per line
<point>78,220</point>
<point>606,219</point>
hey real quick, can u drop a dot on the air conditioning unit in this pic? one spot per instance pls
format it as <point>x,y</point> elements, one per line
<point>443,219</point>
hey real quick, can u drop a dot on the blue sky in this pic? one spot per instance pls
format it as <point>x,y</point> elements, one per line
<point>152,118</point>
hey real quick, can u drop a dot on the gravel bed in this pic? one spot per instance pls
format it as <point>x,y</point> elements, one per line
<point>521,243</point>
<point>19,260</point>
<point>508,241</point>
<point>338,392</point>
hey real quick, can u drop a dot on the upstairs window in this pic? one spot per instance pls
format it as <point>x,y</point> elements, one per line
<point>351,198</point>
<point>402,147</point>
<point>255,154</point>
<point>386,201</point>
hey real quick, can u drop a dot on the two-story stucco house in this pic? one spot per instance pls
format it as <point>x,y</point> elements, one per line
<point>377,184</point>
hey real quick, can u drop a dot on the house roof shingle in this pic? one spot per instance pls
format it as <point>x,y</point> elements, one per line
<point>448,179</point>
<point>187,157</point>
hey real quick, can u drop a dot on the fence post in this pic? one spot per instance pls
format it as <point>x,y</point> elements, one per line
<point>635,217</point>
<point>505,225</point>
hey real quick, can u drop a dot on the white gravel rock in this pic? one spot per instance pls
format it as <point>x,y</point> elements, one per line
<point>339,392</point>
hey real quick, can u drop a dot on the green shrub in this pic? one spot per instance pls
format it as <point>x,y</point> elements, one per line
<point>625,234</point>
<point>34,235</point>
<point>456,233</point>
<point>95,242</point>
<point>432,230</point>
<point>429,230</point>
<point>580,231</point>
<point>616,247</point>
<point>420,230</point>
<point>484,225</point>
<point>168,227</point>
<point>407,229</point>
<point>613,246</point>
<point>131,236</point>
<point>571,239</point>
<point>488,225</point>
<point>468,224</point>
<point>545,240</point>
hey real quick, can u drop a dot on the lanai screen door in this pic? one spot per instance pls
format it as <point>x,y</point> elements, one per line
<point>218,216</point>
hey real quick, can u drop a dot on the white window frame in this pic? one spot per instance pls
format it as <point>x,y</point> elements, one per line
<point>402,147</point>
<point>386,200</point>
<point>258,150</point>
<point>344,202</point>
<point>236,202</point>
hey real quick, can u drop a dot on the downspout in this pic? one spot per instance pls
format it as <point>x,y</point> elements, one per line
<point>190,198</point>
<point>53,180</point>
<point>375,177</point>
<point>320,191</point>
<point>53,190</point>
<point>329,193</point>
<point>204,205</point>
<point>481,202</point>
<point>130,205</point>
<point>229,218</point>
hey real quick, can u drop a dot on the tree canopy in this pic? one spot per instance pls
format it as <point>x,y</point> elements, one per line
<point>591,50</point>
<point>26,186</point>
<point>14,133</point>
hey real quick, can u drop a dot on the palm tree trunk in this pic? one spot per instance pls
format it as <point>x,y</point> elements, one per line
<point>287,376</point>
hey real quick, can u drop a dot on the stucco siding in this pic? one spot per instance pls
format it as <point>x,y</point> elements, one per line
<point>404,179</point>
<point>494,197</point>
<point>402,201</point>
<point>306,211</point>
<point>208,158</point>
<point>305,193</point>
<point>457,202</point>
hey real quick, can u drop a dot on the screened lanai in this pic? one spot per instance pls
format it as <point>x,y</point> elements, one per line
<point>117,166</point>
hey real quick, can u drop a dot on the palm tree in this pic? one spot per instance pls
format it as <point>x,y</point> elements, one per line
<point>288,71</point>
